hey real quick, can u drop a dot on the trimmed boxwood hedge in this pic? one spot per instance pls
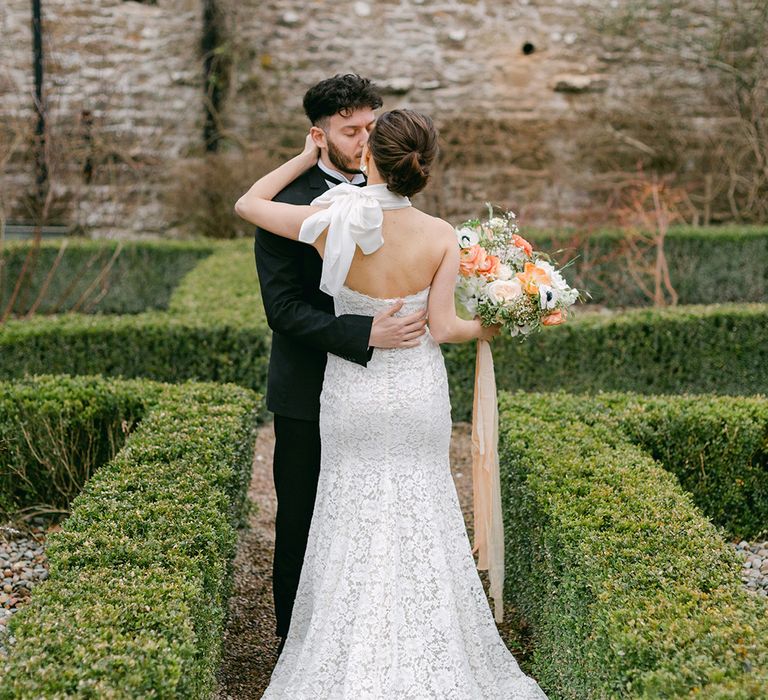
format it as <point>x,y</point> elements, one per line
<point>706,265</point>
<point>214,330</point>
<point>142,277</point>
<point>140,572</point>
<point>630,590</point>
<point>720,349</point>
<point>50,444</point>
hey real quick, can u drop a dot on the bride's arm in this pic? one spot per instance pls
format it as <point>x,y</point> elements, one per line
<point>444,325</point>
<point>277,217</point>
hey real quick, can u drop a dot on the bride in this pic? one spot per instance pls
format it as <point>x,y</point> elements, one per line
<point>389,605</point>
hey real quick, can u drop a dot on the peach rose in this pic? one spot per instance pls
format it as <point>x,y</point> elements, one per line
<point>554,319</point>
<point>520,242</point>
<point>489,266</point>
<point>531,277</point>
<point>470,259</point>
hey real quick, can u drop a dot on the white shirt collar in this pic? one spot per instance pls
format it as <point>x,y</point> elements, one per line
<point>356,179</point>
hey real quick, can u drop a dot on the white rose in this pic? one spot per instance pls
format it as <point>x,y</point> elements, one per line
<point>502,291</point>
<point>504,272</point>
<point>467,237</point>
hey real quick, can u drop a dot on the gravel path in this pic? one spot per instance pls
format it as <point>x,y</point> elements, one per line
<point>754,573</point>
<point>23,565</point>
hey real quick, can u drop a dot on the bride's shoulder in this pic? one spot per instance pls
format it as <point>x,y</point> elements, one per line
<point>434,226</point>
<point>441,231</point>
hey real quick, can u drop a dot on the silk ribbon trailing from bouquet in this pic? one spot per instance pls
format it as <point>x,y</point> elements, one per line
<point>489,525</point>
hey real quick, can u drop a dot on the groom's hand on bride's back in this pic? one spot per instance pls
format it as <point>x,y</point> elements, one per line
<point>390,331</point>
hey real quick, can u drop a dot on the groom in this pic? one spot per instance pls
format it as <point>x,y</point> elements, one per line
<point>305,329</point>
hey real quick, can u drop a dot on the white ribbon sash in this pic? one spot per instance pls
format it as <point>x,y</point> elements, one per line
<point>353,216</point>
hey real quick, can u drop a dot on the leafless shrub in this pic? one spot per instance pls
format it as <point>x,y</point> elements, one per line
<point>83,157</point>
<point>718,149</point>
<point>650,205</point>
<point>203,192</point>
<point>62,461</point>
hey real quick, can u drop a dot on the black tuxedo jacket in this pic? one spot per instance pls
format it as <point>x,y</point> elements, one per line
<point>304,327</point>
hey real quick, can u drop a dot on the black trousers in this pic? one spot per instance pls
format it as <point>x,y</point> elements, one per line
<point>296,468</point>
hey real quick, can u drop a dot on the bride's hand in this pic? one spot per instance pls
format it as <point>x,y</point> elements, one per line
<point>311,151</point>
<point>488,333</point>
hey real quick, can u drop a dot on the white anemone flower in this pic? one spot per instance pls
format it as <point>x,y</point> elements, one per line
<point>547,297</point>
<point>467,237</point>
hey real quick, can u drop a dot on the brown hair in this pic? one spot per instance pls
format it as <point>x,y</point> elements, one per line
<point>403,144</point>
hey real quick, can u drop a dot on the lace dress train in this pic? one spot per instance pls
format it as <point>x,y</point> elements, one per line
<point>390,605</point>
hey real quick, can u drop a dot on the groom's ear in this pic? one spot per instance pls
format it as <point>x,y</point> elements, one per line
<point>318,136</point>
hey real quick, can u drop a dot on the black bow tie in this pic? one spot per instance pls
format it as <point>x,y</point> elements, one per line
<point>338,181</point>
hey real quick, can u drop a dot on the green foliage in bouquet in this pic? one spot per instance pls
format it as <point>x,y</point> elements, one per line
<point>524,313</point>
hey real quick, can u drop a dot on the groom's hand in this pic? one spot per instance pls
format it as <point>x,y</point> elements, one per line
<point>390,331</point>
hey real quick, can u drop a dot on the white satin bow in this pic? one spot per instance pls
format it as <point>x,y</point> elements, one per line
<point>353,216</point>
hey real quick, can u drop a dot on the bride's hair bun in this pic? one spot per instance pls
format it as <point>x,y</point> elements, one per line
<point>403,144</point>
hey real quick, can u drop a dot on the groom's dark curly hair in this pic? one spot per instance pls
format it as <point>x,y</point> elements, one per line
<point>341,94</point>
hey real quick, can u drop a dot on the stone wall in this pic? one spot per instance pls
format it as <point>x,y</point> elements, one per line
<point>133,71</point>
<point>512,86</point>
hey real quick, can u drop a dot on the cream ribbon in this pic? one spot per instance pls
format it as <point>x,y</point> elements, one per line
<point>353,216</point>
<point>489,524</point>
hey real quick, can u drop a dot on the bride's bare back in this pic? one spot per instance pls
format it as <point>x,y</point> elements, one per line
<point>414,246</point>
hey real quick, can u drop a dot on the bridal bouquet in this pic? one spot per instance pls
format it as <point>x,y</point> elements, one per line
<point>503,280</point>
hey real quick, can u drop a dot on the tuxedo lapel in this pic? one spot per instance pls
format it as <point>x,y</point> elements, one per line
<point>316,181</point>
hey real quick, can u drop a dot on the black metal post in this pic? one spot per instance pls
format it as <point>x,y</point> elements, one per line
<point>215,71</point>
<point>41,166</point>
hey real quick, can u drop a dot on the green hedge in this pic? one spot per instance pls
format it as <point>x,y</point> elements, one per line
<point>718,449</point>
<point>630,590</point>
<point>709,349</point>
<point>51,443</point>
<point>706,265</point>
<point>140,572</point>
<point>142,277</point>
<point>214,330</point>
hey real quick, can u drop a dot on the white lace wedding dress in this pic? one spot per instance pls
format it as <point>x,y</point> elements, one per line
<point>389,604</point>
